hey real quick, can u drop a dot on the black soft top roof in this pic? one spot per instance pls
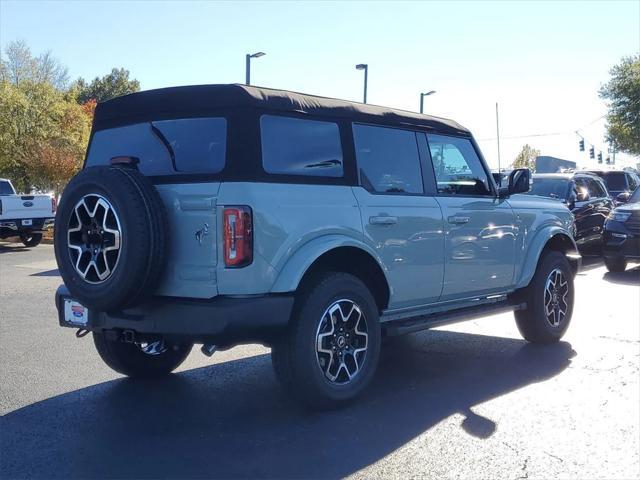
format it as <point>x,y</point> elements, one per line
<point>203,100</point>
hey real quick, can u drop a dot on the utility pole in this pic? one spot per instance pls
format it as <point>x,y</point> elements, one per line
<point>498,136</point>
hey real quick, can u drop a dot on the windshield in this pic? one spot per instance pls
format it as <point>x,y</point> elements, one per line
<point>549,187</point>
<point>615,180</point>
<point>6,188</point>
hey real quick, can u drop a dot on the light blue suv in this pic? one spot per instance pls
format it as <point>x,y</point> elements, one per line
<point>227,214</point>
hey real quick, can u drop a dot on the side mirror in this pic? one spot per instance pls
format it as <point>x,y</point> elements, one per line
<point>519,181</point>
<point>583,195</point>
<point>623,197</point>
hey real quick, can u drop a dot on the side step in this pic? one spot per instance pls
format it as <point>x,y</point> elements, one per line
<point>424,322</point>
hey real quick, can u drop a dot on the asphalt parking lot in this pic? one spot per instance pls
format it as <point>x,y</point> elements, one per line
<point>466,401</point>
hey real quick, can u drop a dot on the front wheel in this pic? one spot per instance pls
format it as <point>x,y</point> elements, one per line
<point>549,299</point>
<point>31,239</point>
<point>141,360</point>
<point>331,351</point>
<point>615,264</point>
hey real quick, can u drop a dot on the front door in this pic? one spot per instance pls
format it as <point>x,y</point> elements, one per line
<point>401,223</point>
<point>480,229</point>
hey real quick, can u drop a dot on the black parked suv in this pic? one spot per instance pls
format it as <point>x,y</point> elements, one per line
<point>585,195</point>
<point>622,234</point>
<point>620,183</point>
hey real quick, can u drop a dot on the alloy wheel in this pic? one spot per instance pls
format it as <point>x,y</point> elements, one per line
<point>341,341</point>
<point>556,291</point>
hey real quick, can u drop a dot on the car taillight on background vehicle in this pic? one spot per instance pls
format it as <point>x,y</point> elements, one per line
<point>238,236</point>
<point>54,204</point>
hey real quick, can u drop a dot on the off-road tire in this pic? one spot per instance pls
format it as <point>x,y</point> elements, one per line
<point>144,244</point>
<point>129,359</point>
<point>532,322</point>
<point>615,264</point>
<point>31,239</point>
<point>294,356</point>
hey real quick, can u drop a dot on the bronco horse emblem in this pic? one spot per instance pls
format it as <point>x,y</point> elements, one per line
<point>203,232</point>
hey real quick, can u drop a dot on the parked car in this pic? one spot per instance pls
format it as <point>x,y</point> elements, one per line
<point>227,214</point>
<point>585,195</point>
<point>620,183</point>
<point>622,235</point>
<point>24,216</point>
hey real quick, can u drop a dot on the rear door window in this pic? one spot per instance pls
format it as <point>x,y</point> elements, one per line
<point>165,147</point>
<point>388,159</point>
<point>457,167</point>
<point>596,189</point>
<point>297,146</point>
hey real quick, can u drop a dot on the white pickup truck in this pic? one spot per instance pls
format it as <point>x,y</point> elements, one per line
<point>24,216</point>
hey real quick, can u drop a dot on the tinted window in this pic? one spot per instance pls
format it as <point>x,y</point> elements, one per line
<point>635,197</point>
<point>458,169</point>
<point>549,187</point>
<point>5,188</point>
<point>596,188</point>
<point>198,145</point>
<point>388,159</point>
<point>633,181</point>
<point>615,180</point>
<point>296,146</point>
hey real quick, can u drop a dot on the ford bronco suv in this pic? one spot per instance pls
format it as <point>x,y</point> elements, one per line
<point>229,214</point>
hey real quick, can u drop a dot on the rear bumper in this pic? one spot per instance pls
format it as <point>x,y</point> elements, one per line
<point>16,226</point>
<point>221,320</point>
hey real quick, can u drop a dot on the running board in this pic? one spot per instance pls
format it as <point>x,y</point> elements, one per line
<point>424,322</point>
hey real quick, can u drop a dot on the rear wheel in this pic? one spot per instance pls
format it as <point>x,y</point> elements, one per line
<point>331,350</point>
<point>31,239</point>
<point>141,360</point>
<point>549,299</point>
<point>615,264</point>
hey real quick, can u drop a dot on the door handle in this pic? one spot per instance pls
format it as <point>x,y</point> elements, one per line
<point>383,220</point>
<point>458,220</point>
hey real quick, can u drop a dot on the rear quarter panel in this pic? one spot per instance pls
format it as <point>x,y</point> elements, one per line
<point>292,226</point>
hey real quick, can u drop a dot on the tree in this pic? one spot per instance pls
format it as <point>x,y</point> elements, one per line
<point>101,89</point>
<point>527,158</point>
<point>19,65</point>
<point>623,95</point>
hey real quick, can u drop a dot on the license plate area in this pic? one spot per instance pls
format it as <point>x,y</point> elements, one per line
<point>27,223</point>
<point>74,313</point>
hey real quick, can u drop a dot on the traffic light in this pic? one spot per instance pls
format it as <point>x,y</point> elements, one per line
<point>592,153</point>
<point>599,157</point>
<point>581,145</point>
<point>608,160</point>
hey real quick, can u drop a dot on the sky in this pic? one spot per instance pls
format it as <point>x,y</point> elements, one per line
<point>543,62</point>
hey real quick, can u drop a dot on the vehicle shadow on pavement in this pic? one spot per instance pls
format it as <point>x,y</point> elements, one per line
<point>231,420</point>
<point>628,277</point>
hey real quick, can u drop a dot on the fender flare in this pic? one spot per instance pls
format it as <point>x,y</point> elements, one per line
<point>299,262</point>
<point>533,252</point>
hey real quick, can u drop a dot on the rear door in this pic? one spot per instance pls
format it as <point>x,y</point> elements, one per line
<point>480,229</point>
<point>601,206</point>
<point>181,157</point>
<point>400,219</point>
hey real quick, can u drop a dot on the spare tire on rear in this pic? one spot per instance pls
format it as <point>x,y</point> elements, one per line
<point>110,238</point>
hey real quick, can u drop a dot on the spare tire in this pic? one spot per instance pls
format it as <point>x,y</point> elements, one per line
<point>110,240</point>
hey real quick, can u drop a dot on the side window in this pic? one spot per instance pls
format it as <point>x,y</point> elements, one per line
<point>457,167</point>
<point>595,190</point>
<point>294,146</point>
<point>582,186</point>
<point>633,183</point>
<point>388,159</point>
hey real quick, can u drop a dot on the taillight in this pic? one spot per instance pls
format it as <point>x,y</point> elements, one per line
<point>238,236</point>
<point>54,204</point>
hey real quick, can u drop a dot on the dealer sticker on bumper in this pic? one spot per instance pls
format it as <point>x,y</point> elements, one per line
<point>27,223</point>
<point>75,313</point>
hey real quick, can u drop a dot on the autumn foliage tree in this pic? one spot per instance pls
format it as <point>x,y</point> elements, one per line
<point>44,124</point>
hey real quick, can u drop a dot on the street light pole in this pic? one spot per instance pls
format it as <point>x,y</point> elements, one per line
<point>365,67</point>
<point>422,95</point>
<point>248,58</point>
<point>498,136</point>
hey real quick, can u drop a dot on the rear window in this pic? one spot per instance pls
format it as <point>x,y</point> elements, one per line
<point>295,146</point>
<point>187,145</point>
<point>615,180</point>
